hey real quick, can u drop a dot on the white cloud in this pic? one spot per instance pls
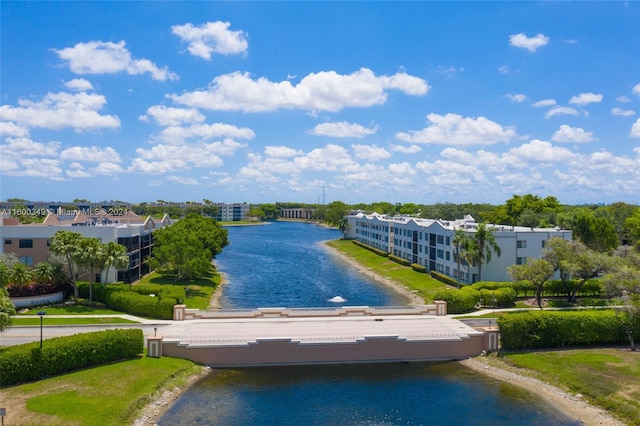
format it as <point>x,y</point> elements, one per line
<point>585,99</point>
<point>107,168</point>
<point>636,89</point>
<point>517,97</point>
<point>450,71</point>
<point>370,152</point>
<point>8,128</point>
<point>544,103</point>
<point>212,37</point>
<point>623,99</point>
<point>20,147</point>
<point>572,134</point>
<point>343,129</point>
<point>412,149</point>
<point>185,180</point>
<point>139,165</point>
<point>79,85</point>
<point>529,43</point>
<point>178,157</point>
<point>38,167</point>
<point>635,129</point>
<point>453,129</point>
<point>178,134</point>
<point>98,57</point>
<point>93,154</point>
<point>323,91</point>
<point>561,110</point>
<point>622,112</point>
<point>504,69</point>
<point>281,151</point>
<point>167,116</point>
<point>58,110</point>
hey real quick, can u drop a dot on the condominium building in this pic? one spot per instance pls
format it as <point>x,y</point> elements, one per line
<point>297,213</point>
<point>30,242</point>
<point>428,242</point>
<point>234,212</point>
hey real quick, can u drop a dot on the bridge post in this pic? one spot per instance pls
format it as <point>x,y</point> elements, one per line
<point>154,346</point>
<point>441,308</point>
<point>179,312</point>
<point>491,339</point>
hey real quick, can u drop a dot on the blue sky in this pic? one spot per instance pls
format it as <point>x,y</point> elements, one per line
<point>260,102</point>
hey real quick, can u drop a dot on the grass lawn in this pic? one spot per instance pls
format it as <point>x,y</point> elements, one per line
<point>199,291</point>
<point>423,283</point>
<point>606,377</point>
<point>69,310</point>
<point>48,321</point>
<point>107,395</point>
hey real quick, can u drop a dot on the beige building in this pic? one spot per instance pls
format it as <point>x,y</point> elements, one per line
<point>30,242</point>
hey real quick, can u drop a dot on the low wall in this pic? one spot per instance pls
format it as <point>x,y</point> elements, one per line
<point>181,313</point>
<point>287,352</point>
<point>44,299</point>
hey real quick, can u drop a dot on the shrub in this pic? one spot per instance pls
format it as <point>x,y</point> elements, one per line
<point>503,297</point>
<point>419,268</point>
<point>547,329</point>
<point>459,301</point>
<point>142,305</point>
<point>24,363</point>
<point>443,278</point>
<point>399,260</point>
<point>370,248</point>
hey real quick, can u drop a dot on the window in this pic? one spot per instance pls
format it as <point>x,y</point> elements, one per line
<point>25,243</point>
<point>26,260</point>
<point>521,260</point>
<point>440,254</point>
<point>448,255</point>
<point>544,243</point>
<point>521,244</point>
<point>440,239</point>
<point>448,241</point>
<point>8,241</point>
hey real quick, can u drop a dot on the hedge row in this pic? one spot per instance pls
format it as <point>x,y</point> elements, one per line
<point>551,288</point>
<point>555,329</point>
<point>444,278</point>
<point>419,268</point>
<point>459,301</point>
<point>501,297</point>
<point>400,260</point>
<point>371,248</point>
<point>137,301</point>
<point>25,363</point>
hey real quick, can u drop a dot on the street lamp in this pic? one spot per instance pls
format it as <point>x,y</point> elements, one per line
<point>41,314</point>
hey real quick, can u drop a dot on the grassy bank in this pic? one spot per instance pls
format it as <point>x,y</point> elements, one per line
<point>606,377</point>
<point>404,275</point>
<point>199,290</point>
<point>107,395</point>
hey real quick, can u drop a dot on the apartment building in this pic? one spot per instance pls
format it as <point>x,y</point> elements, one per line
<point>30,242</point>
<point>297,213</point>
<point>234,212</point>
<point>428,242</point>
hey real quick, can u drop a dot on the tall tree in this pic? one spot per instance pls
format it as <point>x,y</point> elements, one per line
<point>460,243</point>
<point>92,256</point>
<point>6,310</point>
<point>335,212</point>
<point>115,255</point>
<point>485,246</point>
<point>536,271</point>
<point>66,243</point>
<point>20,275</point>
<point>344,227</point>
<point>45,272</point>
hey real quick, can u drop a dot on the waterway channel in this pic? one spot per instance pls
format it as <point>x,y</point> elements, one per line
<point>284,264</point>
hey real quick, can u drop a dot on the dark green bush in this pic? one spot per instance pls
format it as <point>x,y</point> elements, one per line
<point>556,329</point>
<point>25,363</point>
<point>399,260</point>
<point>142,305</point>
<point>443,278</point>
<point>459,301</point>
<point>503,297</point>
<point>419,268</point>
<point>370,248</point>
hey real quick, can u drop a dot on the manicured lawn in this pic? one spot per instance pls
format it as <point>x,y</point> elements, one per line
<point>70,310</point>
<point>48,321</point>
<point>199,290</point>
<point>423,283</point>
<point>607,377</point>
<point>107,395</point>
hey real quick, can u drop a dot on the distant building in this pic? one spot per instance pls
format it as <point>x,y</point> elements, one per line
<point>31,242</point>
<point>232,212</point>
<point>428,242</point>
<point>297,213</point>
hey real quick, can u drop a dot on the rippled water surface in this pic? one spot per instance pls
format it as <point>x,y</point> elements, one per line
<point>284,264</point>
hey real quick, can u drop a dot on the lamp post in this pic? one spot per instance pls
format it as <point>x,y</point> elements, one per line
<point>41,314</point>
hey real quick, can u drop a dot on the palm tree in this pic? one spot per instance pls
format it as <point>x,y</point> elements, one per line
<point>115,255</point>
<point>6,310</point>
<point>44,272</point>
<point>460,245</point>
<point>92,256</point>
<point>20,275</point>
<point>485,243</point>
<point>67,243</point>
<point>344,227</point>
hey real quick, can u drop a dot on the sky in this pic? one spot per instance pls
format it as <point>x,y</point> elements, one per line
<point>312,102</point>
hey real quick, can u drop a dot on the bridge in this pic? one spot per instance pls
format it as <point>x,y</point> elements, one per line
<point>349,334</point>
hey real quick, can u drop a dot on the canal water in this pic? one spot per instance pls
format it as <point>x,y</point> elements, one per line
<point>284,264</point>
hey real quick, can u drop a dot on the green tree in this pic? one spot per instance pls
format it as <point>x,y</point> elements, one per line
<point>336,211</point>
<point>67,243</point>
<point>536,271</point>
<point>20,275</point>
<point>461,244</point>
<point>92,256</point>
<point>597,233</point>
<point>6,310</point>
<point>115,255</point>
<point>632,227</point>
<point>485,245</point>
<point>344,227</point>
<point>44,272</point>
